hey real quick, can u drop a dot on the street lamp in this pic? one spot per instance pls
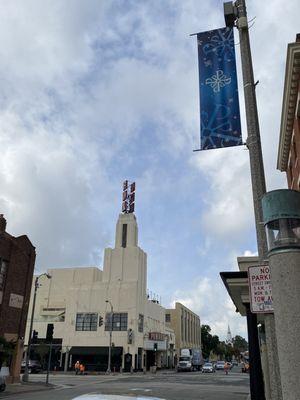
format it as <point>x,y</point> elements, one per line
<point>110,336</point>
<point>36,285</point>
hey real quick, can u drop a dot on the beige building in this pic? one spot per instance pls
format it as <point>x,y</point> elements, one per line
<point>186,326</point>
<point>77,300</point>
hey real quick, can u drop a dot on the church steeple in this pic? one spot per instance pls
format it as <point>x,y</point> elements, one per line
<point>229,336</point>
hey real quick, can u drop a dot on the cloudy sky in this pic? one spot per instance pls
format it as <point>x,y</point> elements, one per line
<point>95,92</point>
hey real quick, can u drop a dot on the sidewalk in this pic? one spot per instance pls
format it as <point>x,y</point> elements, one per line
<point>16,388</point>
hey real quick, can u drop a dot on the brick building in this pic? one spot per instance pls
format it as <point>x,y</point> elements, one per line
<point>289,141</point>
<point>17,257</point>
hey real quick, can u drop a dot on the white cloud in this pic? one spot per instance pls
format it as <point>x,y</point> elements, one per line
<point>93,93</point>
<point>228,208</point>
<point>249,253</point>
<point>209,299</point>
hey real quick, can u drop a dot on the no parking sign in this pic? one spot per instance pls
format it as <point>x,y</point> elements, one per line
<point>261,300</point>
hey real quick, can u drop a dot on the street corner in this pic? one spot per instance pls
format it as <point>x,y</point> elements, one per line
<point>19,388</point>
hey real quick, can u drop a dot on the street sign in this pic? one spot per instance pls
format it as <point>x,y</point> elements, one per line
<point>261,300</point>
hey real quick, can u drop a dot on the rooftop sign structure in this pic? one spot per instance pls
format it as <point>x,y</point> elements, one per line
<point>128,197</point>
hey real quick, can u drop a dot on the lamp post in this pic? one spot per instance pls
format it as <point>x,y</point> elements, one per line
<point>236,15</point>
<point>281,211</point>
<point>36,286</point>
<point>108,371</point>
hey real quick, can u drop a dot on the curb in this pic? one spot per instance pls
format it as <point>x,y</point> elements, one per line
<point>31,389</point>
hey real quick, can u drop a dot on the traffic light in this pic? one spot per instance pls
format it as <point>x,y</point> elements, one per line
<point>130,336</point>
<point>34,337</point>
<point>155,346</point>
<point>100,321</point>
<point>49,335</point>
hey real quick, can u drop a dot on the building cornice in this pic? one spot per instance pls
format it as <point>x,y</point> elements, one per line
<point>289,103</point>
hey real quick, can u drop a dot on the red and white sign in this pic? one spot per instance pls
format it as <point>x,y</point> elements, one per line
<point>261,300</point>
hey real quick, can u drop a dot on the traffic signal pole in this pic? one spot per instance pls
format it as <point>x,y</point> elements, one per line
<point>26,372</point>
<point>36,285</point>
<point>258,190</point>
<point>108,371</point>
<point>49,364</point>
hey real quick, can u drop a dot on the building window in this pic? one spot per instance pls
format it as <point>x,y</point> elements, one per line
<point>124,235</point>
<point>168,318</point>
<point>3,271</point>
<point>117,320</point>
<point>86,322</point>
<point>141,323</point>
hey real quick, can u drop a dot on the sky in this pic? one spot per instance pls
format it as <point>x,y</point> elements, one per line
<point>95,92</point>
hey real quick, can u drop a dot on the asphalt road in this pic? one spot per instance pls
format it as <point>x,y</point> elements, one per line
<point>163,385</point>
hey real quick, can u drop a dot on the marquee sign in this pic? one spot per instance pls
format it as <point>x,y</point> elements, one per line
<point>157,336</point>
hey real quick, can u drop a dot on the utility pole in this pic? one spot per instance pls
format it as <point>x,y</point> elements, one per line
<point>108,371</point>
<point>36,286</point>
<point>239,16</point>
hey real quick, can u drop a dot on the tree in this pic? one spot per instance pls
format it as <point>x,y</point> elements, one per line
<point>6,351</point>
<point>239,343</point>
<point>209,342</point>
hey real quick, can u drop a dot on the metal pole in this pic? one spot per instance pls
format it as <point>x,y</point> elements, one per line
<point>253,139</point>
<point>110,336</point>
<point>36,285</point>
<point>258,182</point>
<point>26,372</point>
<point>49,364</point>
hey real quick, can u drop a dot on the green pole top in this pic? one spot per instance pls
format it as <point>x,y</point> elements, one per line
<point>281,203</point>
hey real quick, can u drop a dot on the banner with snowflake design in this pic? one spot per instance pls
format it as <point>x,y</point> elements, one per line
<point>219,101</point>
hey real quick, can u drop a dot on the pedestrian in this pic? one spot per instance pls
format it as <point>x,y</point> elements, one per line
<point>76,367</point>
<point>82,369</point>
<point>175,360</point>
<point>226,368</point>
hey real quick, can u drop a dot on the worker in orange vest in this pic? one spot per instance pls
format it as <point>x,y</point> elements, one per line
<point>82,369</point>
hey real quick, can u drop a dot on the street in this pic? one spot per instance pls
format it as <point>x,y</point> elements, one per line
<point>164,385</point>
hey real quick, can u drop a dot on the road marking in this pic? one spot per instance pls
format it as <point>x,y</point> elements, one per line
<point>142,390</point>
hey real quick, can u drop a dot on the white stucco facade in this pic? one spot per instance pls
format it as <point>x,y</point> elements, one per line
<point>76,294</point>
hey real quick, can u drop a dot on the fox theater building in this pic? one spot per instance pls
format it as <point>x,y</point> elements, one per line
<point>86,305</point>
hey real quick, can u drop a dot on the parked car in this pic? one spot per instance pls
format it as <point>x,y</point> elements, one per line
<point>208,367</point>
<point>2,383</point>
<point>220,365</point>
<point>34,366</point>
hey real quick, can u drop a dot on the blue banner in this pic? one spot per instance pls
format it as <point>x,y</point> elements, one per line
<point>219,100</point>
